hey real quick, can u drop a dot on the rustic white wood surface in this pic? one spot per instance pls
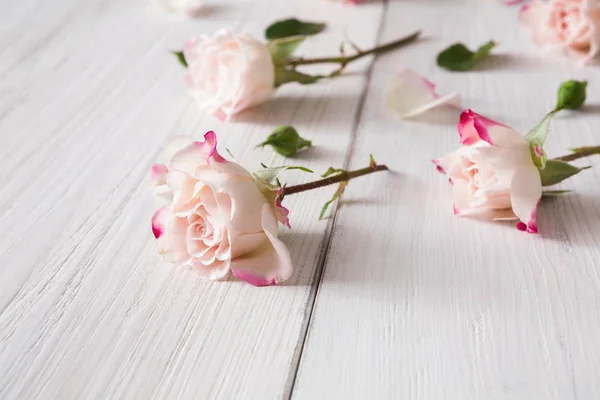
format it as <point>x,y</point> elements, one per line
<point>393,297</point>
<point>416,303</point>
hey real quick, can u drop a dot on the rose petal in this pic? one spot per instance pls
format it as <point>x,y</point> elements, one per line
<point>201,154</point>
<point>216,271</point>
<point>268,264</point>
<point>160,220</point>
<point>173,146</point>
<point>246,200</point>
<point>461,198</point>
<point>159,174</point>
<point>526,192</point>
<point>409,94</point>
<point>159,180</point>
<point>439,166</point>
<point>593,15</point>
<point>281,211</point>
<point>503,215</point>
<point>533,17</point>
<point>473,127</point>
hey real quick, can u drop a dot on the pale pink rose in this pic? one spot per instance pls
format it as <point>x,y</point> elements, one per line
<point>227,73</point>
<point>572,26</point>
<point>191,8</point>
<point>493,170</point>
<point>218,218</point>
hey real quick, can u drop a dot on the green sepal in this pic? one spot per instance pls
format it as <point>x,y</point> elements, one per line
<point>459,58</point>
<point>286,75</point>
<point>336,195</point>
<point>293,27</point>
<point>537,138</point>
<point>282,49</point>
<point>180,58</point>
<point>557,171</point>
<point>286,141</point>
<point>269,175</point>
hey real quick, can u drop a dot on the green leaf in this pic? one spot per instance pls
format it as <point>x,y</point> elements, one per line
<point>552,193</point>
<point>180,57</point>
<point>293,27</point>
<point>537,138</point>
<point>557,171</point>
<point>336,195</point>
<point>286,141</point>
<point>286,75</point>
<point>571,94</point>
<point>282,49</point>
<point>483,51</point>
<point>333,171</point>
<point>459,58</point>
<point>303,169</point>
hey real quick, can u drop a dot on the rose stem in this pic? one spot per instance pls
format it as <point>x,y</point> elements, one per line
<point>585,152</point>
<point>343,60</point>
<point>341,177</point>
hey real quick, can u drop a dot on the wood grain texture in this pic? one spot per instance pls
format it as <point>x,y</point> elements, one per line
<point>413,303</point>
<point>416,303</point>
<point>88,309</point>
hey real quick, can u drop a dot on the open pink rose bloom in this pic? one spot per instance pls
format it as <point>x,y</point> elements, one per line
<point>217,217</point>
<point>572,26</point>
<point>493,170</point>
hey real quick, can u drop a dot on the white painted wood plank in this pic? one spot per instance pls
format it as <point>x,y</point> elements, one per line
<point>416,303</point>
<point>88,309</point>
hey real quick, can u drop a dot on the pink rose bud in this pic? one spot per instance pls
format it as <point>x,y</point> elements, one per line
<point>227,74</point>
<point>572,26</point>
<point>493,170</point>
<point>217,217</point>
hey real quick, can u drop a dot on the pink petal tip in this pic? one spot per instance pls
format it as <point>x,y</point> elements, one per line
<point>252,279</point>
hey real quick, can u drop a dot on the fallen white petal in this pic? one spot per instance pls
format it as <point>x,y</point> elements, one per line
<point>410,94</point>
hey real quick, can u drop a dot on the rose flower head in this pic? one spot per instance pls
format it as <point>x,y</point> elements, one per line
<point>217,218</point>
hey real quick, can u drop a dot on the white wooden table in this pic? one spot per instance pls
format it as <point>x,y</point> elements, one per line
<point>393,297</point>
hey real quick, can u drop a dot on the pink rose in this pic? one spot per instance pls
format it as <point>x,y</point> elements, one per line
<point>227,74</point>
<point>569,25</point>
<point>493,170</point>
<point>218,218</point>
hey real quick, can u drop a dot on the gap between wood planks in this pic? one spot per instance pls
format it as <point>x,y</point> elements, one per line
<point>288,392</point>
